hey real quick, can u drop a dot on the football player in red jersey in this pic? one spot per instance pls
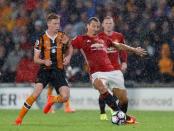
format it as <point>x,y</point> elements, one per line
<point>119,61</point>
<point>102,71</point>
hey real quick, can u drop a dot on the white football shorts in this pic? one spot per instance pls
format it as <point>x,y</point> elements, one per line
<point>112,79</point>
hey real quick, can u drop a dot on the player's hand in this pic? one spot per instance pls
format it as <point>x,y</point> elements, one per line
<point>123,67</point>
<point>66,60</point>
<point>140,51</point>
<point>47,62</point>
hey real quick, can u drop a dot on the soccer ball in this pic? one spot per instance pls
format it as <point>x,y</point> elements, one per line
<point>118,118</point>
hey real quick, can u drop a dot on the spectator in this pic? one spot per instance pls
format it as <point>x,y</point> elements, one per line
<point>30,5</point>
<point>147,22</point>
<point>79,27</point>
<point>26,70</point>
<point>38,29</point>
<point>166,64</point>
<point>11,63</point>
<point>2,55</point>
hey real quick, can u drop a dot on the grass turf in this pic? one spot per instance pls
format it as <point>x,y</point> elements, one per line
<point>84,120</point>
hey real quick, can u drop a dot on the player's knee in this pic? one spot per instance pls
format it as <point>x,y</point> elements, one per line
<point>123,100</point>
<point>103,90</point>
<point>98,84</point>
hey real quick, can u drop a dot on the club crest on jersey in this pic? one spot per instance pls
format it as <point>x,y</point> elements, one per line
<point>111,50</point>
<point>88,41</point>
<point>53,50</point>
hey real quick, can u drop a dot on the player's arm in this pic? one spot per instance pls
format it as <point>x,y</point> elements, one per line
<point>37,59</point>
<point>123,58</point>
<point>138,50</point>
<point>69,52</point>
<point>68,55</point>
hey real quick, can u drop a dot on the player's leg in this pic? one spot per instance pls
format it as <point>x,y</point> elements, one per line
<point>41,82</point>
<point>61,98</point>
<point>121,94</point>
<point>123,103</point>
<point>61,86</point>
<point>68,108</point>
<point>64,93</point>
<point>105,95</point>
<point>49,93</point>
<point>102,105</point>
<point>50,90</point>
<point>116,84</point>
<point>28,103</point>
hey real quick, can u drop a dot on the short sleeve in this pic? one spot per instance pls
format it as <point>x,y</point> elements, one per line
<point>37,45</point>
<point>77,42</point>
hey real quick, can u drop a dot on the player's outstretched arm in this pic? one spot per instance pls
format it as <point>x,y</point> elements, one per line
<point>138,50</point>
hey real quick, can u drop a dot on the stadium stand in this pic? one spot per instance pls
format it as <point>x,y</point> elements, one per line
<point>143,22</point>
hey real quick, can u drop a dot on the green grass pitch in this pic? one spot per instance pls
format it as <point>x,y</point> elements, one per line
<point>84,120</point>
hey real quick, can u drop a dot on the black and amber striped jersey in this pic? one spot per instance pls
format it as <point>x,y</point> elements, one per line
<point>52,48</point>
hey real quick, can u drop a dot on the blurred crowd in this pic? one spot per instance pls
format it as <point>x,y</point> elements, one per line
<point>145,23</point>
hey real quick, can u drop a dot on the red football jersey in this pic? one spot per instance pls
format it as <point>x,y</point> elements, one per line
<point>116,57</point>
<point>95,51</point>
